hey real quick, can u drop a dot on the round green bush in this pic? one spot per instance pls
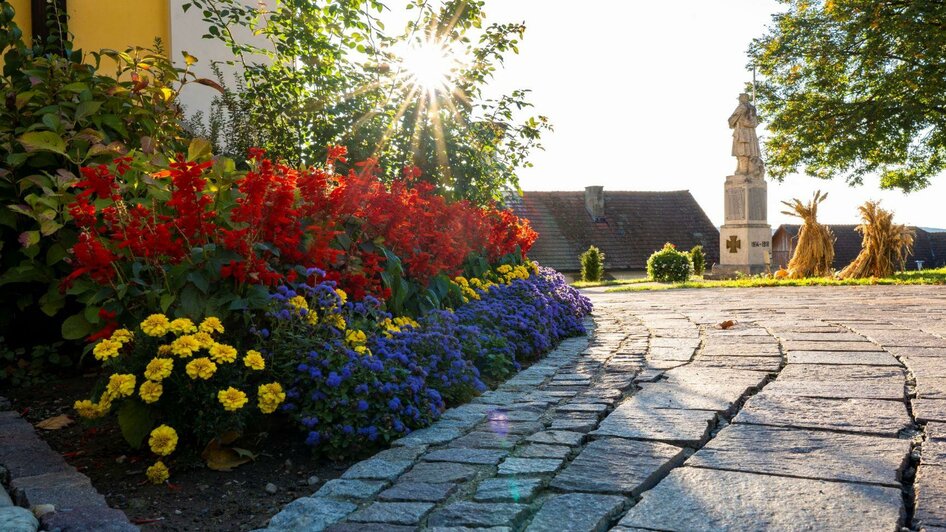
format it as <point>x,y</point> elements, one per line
<point>698,258</point>
<point>669,265</point>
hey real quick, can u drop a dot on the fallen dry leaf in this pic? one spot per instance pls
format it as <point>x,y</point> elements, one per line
<point>55,422</point>
<point>220,458</point>
<point>728,324</point>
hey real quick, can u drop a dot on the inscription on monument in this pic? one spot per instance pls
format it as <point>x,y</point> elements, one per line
<point>735,205</point>
<point>757,204</point>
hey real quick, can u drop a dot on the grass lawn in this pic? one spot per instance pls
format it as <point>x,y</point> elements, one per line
<point>612,282</point>
<point>937,276</point>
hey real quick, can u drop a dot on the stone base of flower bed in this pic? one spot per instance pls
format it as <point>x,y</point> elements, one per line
<point>39,479</point>
<point>401,486</point>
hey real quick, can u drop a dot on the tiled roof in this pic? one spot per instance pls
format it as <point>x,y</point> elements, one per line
<point>928,247</point>
<point>635,225</point>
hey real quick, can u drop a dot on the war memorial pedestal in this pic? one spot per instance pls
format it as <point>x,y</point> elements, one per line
<point>745,239</point>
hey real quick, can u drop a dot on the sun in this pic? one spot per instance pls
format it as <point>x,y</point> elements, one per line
<point>429,65</point>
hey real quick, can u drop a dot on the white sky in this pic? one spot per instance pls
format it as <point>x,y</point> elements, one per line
<point>639,93</point>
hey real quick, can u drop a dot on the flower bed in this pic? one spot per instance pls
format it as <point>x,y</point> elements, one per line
<point>356,309</point>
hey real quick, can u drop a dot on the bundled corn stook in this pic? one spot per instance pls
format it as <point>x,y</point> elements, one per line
<point>814,251</point>
<point>885,247</point>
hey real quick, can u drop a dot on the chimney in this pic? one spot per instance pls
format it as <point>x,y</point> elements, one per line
<point>594,203</point>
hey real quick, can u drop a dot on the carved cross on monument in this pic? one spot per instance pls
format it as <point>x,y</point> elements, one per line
<point>733,244</point>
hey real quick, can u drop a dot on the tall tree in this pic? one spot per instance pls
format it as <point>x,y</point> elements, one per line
<point>855,87</point>
<point>332,73</point>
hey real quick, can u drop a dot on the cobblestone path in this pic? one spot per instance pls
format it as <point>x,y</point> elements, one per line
<point>820,409</point>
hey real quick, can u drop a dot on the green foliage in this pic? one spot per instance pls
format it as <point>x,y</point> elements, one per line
<point>135,421</point>
<point>350,87</point>
<point>592,265</point>
<point>854,88</point>
<point>62,112</point>
<point>698,258</point>
<point>22,367</point>
<point>669,265</point>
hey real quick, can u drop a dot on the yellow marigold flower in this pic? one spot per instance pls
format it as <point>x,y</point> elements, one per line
<point>299,302</point>
<point>185,346</point>
<point>155,325</point>
<point>159,369</point>
<point>405,320</point>
<point>121,385</point>
<point>231,399</point>
<point>182,326</point>
<point>163,440</point>
<point>312,318</point>
<point>150,391</point>
<point>158,473</point>
<point>86,409</point>
<point>341,295</point>
<point>200,368</point>
<point>211,324</point>
<point>123,336</point>
<point>106,349</point>
<point>461,281</point>
<point>204,339</point>
<point>505,268</point>
<point>105,401</point>
<point>354,337</point>
<point>270,397</point>
<point>335,320</point>
<point>254,360</point>
<point>223,353</point>
<point>165,350</point>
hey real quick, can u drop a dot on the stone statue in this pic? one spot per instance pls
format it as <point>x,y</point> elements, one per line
<point>745,143</point>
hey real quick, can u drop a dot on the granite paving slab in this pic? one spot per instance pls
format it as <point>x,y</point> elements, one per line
<point>508,489</point>
<point>466,456</point>
<point>930,489</point>
<point>439,472</point>
<point>866,416</point>
<point>813,454</point>
<point>671,425</point>
<point>397,513</point>
<point>929,410</point>
<point>618,466</point>
<point>863,358</point>
<point>479,514</point>
<point>583,512</point>
<point>768,364</point>
<point>418,491</point>
<point>802,345</point>
<point>695,499</point>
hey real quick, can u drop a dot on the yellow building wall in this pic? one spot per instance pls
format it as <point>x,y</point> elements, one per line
<point>115,24</point>
<point>119,24</point>
<point>23,18</point>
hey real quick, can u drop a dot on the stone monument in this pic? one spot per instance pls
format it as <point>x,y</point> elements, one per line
<point>745,239</point>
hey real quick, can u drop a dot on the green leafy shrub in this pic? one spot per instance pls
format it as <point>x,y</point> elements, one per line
<point>698,258</point>
<point>64,111</point>
<point>592,265</point>
<point>669,265</point>
<point>22,367</point>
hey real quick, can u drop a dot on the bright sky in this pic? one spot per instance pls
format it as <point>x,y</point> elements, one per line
<point>639,93</point>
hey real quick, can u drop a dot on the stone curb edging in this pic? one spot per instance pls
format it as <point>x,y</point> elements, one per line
<point>325,510</point>
<point>35,474</point>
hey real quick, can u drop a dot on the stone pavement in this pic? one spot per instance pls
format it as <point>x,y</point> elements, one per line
<point>822,408</point>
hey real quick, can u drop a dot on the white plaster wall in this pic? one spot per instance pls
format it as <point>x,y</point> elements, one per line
<point>187,30</point>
